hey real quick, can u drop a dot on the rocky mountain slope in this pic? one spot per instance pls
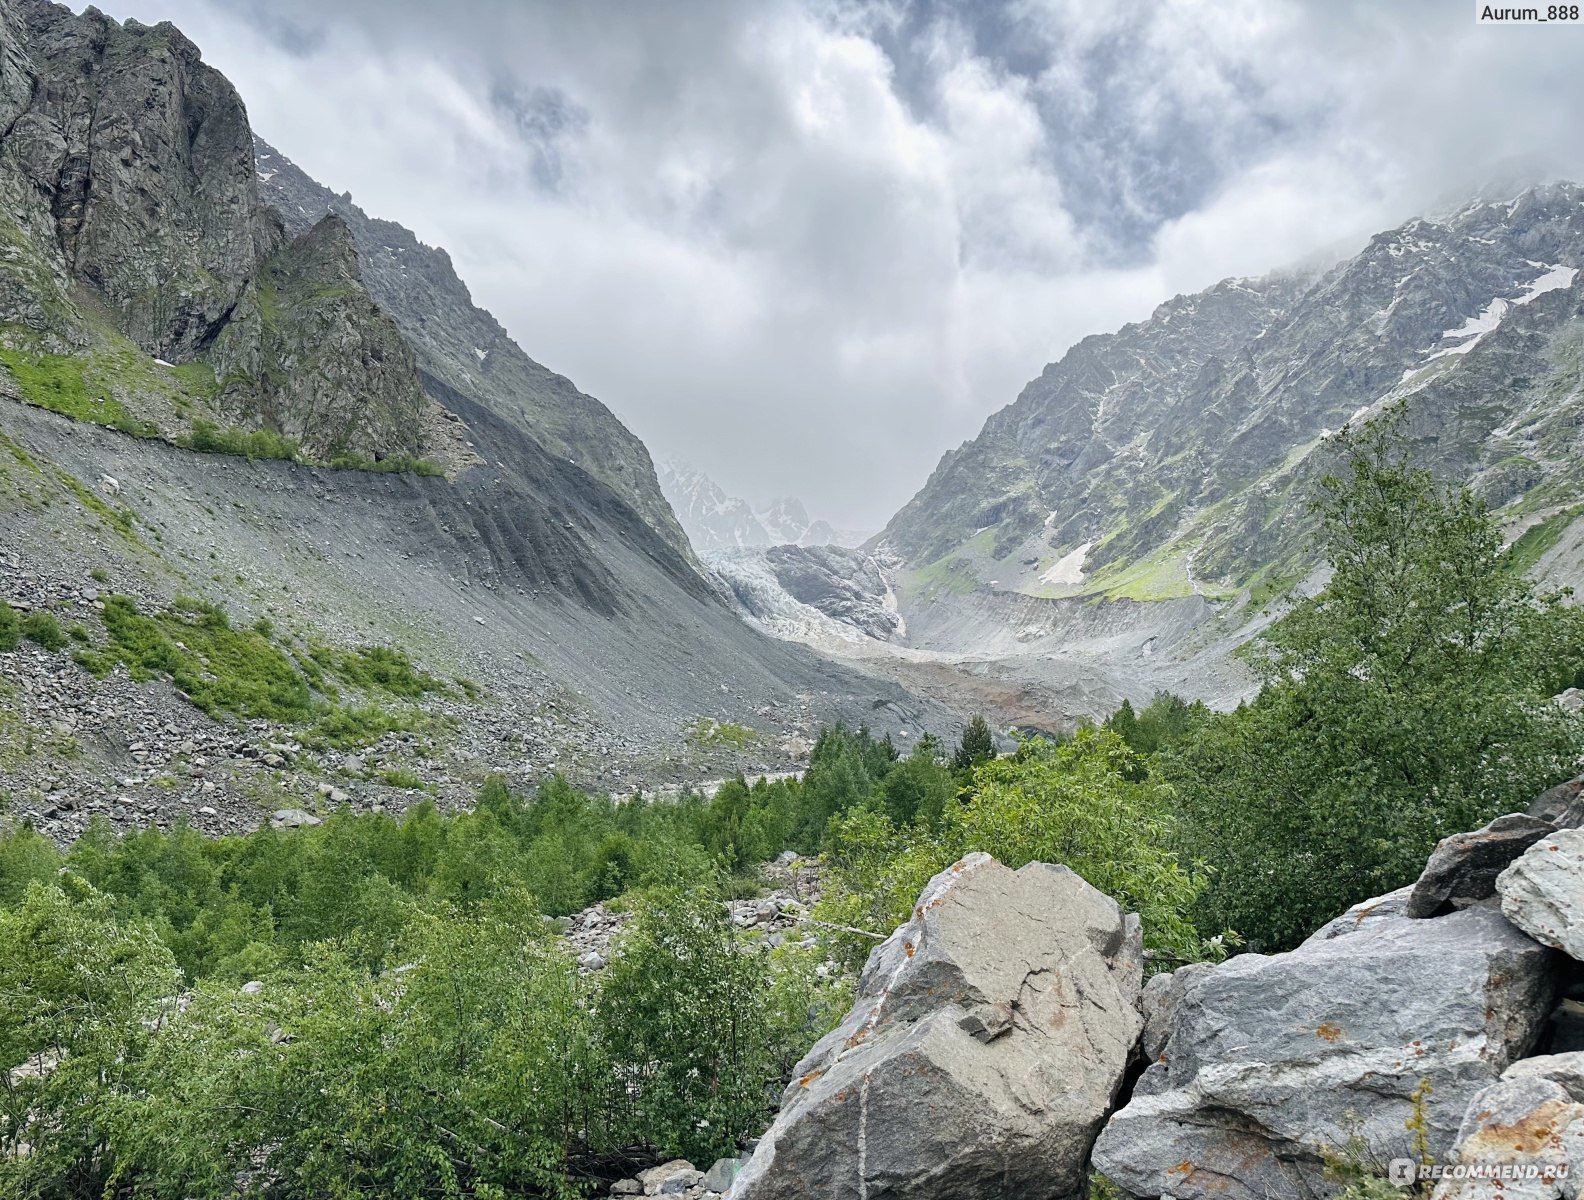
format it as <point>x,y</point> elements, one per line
<point>1167,460</point>
<point>1139,511</point>
<point>715,520</point>
<point>299,524</point>
<point>464,348</point>
<point>148,285</point>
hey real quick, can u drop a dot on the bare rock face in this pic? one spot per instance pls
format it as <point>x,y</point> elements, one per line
<point>141,155</point>
<point>1562,805</point>
<point>1273,1061</point>
<point>309,354</point>
<point>988,1042</point>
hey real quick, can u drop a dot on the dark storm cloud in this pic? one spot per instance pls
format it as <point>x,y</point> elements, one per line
<point>811,244</point>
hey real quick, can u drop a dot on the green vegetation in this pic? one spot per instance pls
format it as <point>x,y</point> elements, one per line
<point>950,573</point>
<point>722,733</point>
<point>377,668</point>
<point>1085,803</point>
<point>43,629</point>
<point>420,1030</point>
<point>208,438</point>
<point>1538,539</point>
<point>60,383</point>
<point>978,745</point>
<point>219,669</point>
<point>245,673</point>
<point>401,464</point>
<point>10,627</point>
<point>1408,701</point>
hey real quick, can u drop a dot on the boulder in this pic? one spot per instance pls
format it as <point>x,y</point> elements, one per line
<point>989,1039</point>
<point>1159,1003</point>
<point>1274,1061</point>
<point>1562,805</point>
<point>670,1178</point>
<point>719,1177</point>
<point>1543,892</point>
<point>1566,1070</point>
<point>1528,1132</point>
<point>1364,914</point>
<point>292,818</point>
<point>1462,869</point>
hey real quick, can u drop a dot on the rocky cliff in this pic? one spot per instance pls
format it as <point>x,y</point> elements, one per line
<point>135,154</point>
<point>466,349</point>
<point>146,280</point>
<point>308,350</point>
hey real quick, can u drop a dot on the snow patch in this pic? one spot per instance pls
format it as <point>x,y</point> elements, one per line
<point>1067,571</point>
<point>1555,279</point>
<point>482,354</point>
<point>266,176</point>
<point>1551,279</point>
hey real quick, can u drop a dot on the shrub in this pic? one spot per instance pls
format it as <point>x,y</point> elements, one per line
<point>208,438</point>
<point>42,627</point>
<point>1080,804</point>
<point>10,627</point>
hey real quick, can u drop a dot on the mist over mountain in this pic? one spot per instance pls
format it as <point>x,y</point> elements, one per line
<point>716,521</point>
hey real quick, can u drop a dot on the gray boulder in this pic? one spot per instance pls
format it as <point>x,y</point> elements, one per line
<point>670,1178</point>
<point>1159,1003</point>
<point>988,1041</point>
<point>1543,892</point>
<point>1274,1061</point>
<point>1562,805</point>
<point>292,818</point>
<point>1462,869</point>
<point>1365,914</point>
<point>1567,1070</point>
<point>719,1177</point>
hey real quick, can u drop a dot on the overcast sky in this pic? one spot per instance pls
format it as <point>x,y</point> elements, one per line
<point>809,245</point>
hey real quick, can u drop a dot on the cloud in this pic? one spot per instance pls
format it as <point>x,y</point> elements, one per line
<point>811,244</point>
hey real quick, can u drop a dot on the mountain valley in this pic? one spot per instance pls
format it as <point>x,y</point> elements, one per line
<point>315,433</point>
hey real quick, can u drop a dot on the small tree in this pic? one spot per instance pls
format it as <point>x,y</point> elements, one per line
<point>1404,702</point>
<point>977,745</point>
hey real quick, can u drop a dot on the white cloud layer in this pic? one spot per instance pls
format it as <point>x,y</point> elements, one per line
<point>811,244</point>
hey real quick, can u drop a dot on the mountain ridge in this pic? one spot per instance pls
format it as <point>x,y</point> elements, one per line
<point>465,346</point>
<point>1166,458</point>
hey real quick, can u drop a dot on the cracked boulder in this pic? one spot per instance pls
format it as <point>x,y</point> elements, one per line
<point>1274,1062</point>
<point>988,1042</point>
